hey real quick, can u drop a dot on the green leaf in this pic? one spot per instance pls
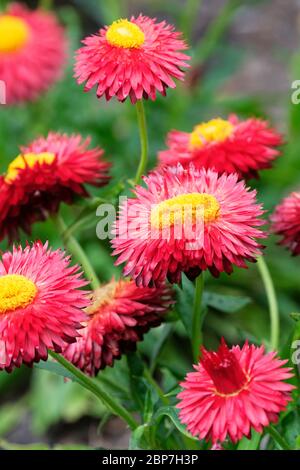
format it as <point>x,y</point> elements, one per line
<point>138,385</point>
<point>172,413</point>
<point>225,303</point>
<point>250,444</point>
<point>137,439</point>
<point>148,406</point>
<point>184,305</point>
<point>295,316</point>
<point>158,346</point>
<point>55,368</point>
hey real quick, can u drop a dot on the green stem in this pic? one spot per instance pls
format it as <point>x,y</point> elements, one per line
<point>144,140</point>
<point>155,385</point>
<point>74,247</point>
<point>278,438</point>
<point>197,317</point>
<point>215,32</point>
<point>272,301</point>
<point>90,385</point>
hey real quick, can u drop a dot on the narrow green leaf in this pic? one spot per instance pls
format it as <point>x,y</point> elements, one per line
<point>55,368</point>
<point>225,303</point>
<point>137,438</point>
<point>172,413</point>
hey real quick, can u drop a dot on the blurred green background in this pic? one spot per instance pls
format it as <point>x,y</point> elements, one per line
<point>245,56</point>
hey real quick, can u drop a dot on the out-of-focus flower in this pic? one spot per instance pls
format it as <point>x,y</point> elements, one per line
<point>49,171</point>
<point>232,391</point>
<point>132,59</point>
<point>187,220</point>
<point>230,146</point>
<point>40,304</point>
<point>119,315</point>
<point>286,222</point>
<point>32,52</point>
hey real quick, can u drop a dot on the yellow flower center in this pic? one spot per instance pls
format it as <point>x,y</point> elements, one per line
<point>14,33</point>
<point>215,130</point>
<point>124,33</point>
<point>27,160</point>
<point>16,291</point>
<point>185,208</point>
<point>101,297</point>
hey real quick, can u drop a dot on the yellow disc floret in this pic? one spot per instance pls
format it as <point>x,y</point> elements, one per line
<point>216,130</point>
<point>124,33</point>
<point>14,33</point>
<point>16,291</point>
<point>101,297</point>
<point>185,208</point>
<point>27,160</point>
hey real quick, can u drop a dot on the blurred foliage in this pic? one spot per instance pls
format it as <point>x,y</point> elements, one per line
<point>244,314</point>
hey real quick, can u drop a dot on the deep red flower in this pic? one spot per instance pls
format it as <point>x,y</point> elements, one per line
<point>49,171</point>
<point>40,304</point>
<point>32,52</point>
<point>232,391</point>
<point>119,316</point>
<point>132,59</point>
<point>187,221</point>
<point>286,222</point>
<point>231,146</point>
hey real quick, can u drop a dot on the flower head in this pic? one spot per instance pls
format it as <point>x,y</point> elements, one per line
<point>187,221</point>
<point>132,59</point>
<point>119,315</point>
<point>49,171</point>
<point>32,52</point>
<point>286,222</point>
<point>229,146</point>
<point>232,391</point>
<point>40,304</point>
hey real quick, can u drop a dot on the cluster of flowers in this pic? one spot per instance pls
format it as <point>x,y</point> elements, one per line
<point>42,304</point>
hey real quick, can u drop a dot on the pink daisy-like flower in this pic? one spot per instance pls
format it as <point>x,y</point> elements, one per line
<point>49,171</point>
<point>232,391</point>
<point>132,58</point>
<point>40,304</point>
<point>32,52</point>
<point>187,221</point>
<point>119,316</point>
<point>230,146</point>
<point>286,222</point>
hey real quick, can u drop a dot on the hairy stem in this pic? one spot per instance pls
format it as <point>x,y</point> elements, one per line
<point>144,141</point>
<point>93,387</point>
<point>272,301</point>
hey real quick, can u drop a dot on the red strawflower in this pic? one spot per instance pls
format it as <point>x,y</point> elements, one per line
<point>232,391</point>
<point>187,221</point>
<point>231,146</point>
<point>132,58</point>
<point>119,316</point>
<point>32,52</point>
<point>40,304</point>
<point>49,171</point>
<point>286,222</point>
